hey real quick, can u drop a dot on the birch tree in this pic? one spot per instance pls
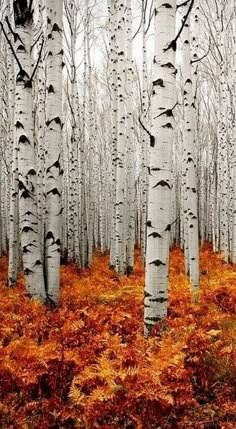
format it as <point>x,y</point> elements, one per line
<point>130,145</point>
<point>160,176</point>
<point>144,111</point>
<point>112,16</point>
<point>53,149</point>
<point>190,192</point>
<point>121,133</point>
<point>28,216</point>
<point>72,188</point>
<point>14,245</point>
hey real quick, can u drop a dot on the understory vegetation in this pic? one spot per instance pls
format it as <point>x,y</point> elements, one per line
<point>87,365</point>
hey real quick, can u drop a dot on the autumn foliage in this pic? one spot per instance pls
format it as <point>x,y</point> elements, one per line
<point>87,365</point>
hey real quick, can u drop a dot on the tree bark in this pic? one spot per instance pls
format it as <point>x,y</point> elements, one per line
<point>28,216</point>
<point>160,167</point>
<point>53,147</point>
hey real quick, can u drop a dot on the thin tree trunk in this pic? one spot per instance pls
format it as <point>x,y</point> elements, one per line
<point>191,199</point>
<point>120,162</point>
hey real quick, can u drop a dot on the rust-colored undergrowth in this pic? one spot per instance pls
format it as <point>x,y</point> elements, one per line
<point>87,365</point>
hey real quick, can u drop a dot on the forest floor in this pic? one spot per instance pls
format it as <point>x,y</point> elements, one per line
<point>87,365</point>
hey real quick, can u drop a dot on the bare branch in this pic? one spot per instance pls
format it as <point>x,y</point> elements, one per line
<point>15,35</point>
<point>152,138</point>
<point>36,41</point>
<point>183,4</point>
<point>39,57</point>
<point>174,42</point>
<point>11,47</point>
<point>204,56</point>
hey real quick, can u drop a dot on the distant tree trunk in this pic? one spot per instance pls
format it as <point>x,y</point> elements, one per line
<point>53,147</point>
<point>28,216</point>
<point>75,136</point>
<point>191,199</point>
<point>82,168</point>
<point>223,165</point>
<point>40,90</point>
<point>0,208</point>
<point>113,59</point>
<point>160,167</point>
<point>130,146</point>
<point>121,133</point>
<point>144,137</point>
<point>6,127</point>
<point>91,138</point>
<point>234,149</point>
<point>72,189</point>
<point>14,244</point>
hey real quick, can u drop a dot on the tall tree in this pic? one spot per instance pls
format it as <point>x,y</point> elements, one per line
<point>54,64</point>
<point>121,134</point>
<point>160,166</point>
<point>130,145</point>
<point>113,59</point>
<point>190,191</point>
<point>144,136</point>
<point>28,216</point>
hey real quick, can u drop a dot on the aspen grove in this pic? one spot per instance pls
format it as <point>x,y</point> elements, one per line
<point>117,214</point>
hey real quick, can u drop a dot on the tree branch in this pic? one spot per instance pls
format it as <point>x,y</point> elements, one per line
<point>168,228</point>
<point>39,57</point>
<point>167,112</point>
<point>15,35</point>
<point>138,30</point>
<point>152,138</point>
<point>11,47</point>
<point>150,20</point>
<point>204,56</point>
<point>36,41</point>
<point>174,42</point>
<point>183,4</point>
<point>143,17</point>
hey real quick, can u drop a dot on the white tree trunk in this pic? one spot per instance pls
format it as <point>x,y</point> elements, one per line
<point>53,147</point>
<point>121,137</point>
<point>130,146</point>
<point>28,216</point>
<point>144,137</point>
<point>113,59</point>
<point>14,243</point>
<point>234,150</point>
<point>191,200</point>
<point>160,168</point>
